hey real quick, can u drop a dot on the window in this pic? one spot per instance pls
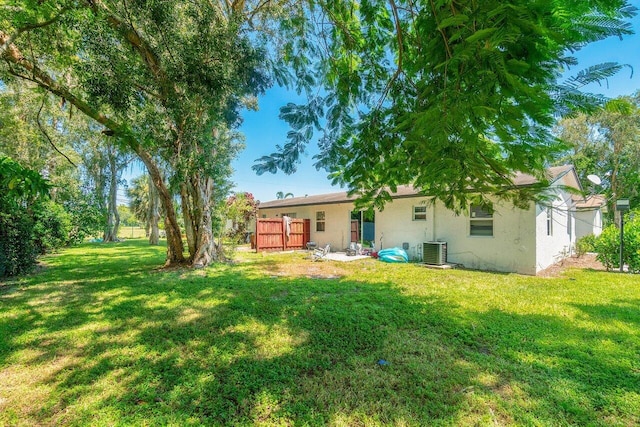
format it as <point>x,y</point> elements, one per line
<point>320,221</point>
<point>549,221</point>
<point>290,215</point>
<point>419,213</point>
<point>481,220</point>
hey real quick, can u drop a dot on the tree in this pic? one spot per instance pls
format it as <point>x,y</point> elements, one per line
<point>164,79</point>
<point>606,143</point>
<point>241,208</point>
<point>144,204</point>
<point>447,96</point>
<point>138,194</point>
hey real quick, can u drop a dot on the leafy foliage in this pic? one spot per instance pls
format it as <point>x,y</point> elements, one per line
<point>20,188</point>
<point>240,210</point>
<point>167,80</point>
<point>17,250</point>
<point>52,227</point>
<point>606,143</point>
<point>585,244</point>
<point>447,96</point>
<point>608,244</point>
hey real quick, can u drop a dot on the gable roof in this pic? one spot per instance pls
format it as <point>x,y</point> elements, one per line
<point>566,173</point>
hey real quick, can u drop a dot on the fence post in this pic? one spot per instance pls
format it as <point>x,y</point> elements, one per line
<point>284,234</point>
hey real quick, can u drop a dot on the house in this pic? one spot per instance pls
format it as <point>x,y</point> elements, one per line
<point>500,237</point>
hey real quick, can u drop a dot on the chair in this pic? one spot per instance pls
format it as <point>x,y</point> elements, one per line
<point>320,253</point>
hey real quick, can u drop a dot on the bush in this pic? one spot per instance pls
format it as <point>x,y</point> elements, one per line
<point>52,227</point>
<point>87,219</point>
<point>585,244</point>
<point>17,251</point>
<point>607,245</point>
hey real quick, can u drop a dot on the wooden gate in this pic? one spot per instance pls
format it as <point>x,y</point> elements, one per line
<point>271,234</point>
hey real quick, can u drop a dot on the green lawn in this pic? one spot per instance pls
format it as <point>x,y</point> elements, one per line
<point>101,336</point>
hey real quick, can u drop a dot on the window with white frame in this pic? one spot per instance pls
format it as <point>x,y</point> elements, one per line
<point>290,215</point>
<point>420,213</point>
<point>480,220</point>
<point>549,210</point>
<point>320,221</point>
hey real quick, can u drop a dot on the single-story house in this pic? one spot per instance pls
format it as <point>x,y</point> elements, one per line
<point>501,237</point>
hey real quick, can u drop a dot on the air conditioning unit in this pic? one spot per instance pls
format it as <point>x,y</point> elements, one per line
<point>434,253</point>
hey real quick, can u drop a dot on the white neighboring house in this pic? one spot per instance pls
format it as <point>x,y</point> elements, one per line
<point>500,237</point>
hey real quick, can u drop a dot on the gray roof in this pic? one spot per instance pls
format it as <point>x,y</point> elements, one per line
<point>520,180</point>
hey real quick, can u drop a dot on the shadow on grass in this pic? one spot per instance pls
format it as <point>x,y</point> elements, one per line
<point>222,346</point>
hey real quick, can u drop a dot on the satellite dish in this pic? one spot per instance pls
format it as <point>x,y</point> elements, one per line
<point>594,179</point>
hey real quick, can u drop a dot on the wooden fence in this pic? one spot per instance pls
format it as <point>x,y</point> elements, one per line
<point>271,234</point>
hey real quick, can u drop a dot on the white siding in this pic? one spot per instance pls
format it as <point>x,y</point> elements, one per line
<point>588,221</point>
<point>395,226</point>
<point>552,249</point>
<point>512,248</point>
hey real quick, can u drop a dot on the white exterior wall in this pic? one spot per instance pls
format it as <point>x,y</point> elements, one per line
<point>588,221</point>
<point>510,249</point>
<point>560,244</point>
<point>395,226</point>
<point>337,222</point>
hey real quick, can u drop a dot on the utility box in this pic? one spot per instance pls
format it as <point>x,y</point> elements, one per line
<point>434,253</point>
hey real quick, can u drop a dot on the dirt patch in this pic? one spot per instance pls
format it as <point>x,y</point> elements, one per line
<point>322,270</point>
<point>586,261</point>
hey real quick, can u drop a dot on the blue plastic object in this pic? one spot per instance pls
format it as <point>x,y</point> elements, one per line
<point>393,255</point>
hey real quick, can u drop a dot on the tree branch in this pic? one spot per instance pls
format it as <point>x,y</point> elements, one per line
<point>44,132</point>
<point>29,27</point>
<point>396,20</point>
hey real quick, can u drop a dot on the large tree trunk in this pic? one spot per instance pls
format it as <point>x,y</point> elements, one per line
<point>199,195</point>
<point>175,248</point>
<point>154,214</point>
<point>187,208</point>
<point>113,218</point>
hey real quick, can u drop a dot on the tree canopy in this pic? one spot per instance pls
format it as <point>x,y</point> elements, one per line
<point>448,96</point>
<point>165,80</point>
<point>606,143</point>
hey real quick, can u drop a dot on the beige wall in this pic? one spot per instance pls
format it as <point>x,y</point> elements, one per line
<point>395,226</point>
<point>512,248</point>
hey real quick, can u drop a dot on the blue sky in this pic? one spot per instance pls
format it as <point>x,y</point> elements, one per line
<point>263,129</point>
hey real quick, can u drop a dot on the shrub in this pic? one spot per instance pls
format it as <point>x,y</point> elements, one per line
<point>585,244</point>
<point>17,251</point>
<point>607,245</point>
<point>52,227</point>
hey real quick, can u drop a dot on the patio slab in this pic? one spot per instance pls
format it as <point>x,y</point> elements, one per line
<point>343,257</point>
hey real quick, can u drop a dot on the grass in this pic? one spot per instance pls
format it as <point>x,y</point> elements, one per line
<point>101,336</point>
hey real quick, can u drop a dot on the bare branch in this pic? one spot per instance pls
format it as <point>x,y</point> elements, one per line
<point>44,132</point>
<point>396,21</point>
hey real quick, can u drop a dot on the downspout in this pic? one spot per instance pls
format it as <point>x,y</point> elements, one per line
<point>433,230</point>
